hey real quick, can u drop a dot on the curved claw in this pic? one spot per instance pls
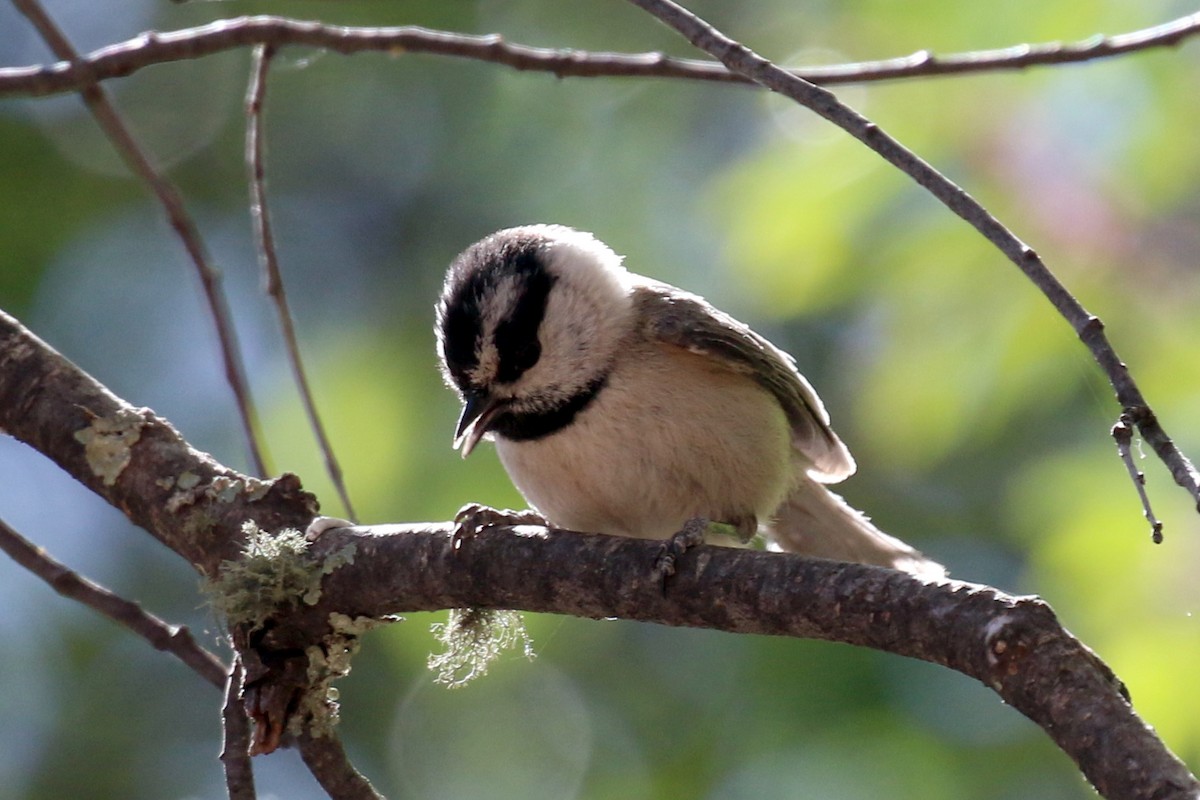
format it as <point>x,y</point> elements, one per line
<point>321,524</point>
<point>474,517</point>
<point>691,534</point>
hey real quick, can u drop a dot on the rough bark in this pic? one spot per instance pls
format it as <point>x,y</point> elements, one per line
<point>137,462</point>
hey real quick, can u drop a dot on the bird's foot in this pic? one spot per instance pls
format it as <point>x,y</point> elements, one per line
<point>474,517</point>
<point>321,524</point>
<point>691,534</point>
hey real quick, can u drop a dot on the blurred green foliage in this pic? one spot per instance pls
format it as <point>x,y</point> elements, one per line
<point>979,422</point>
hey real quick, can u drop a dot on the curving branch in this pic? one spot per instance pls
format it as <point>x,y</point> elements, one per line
<point>1014,645</point>
<point>1088,327</point>
<point>133,459</point>
<point>135,157</point>
<point>738,63</point>
<point>268,259</point>
<point>119,60</point>
<point>176,640</point>
<point>235,747</point>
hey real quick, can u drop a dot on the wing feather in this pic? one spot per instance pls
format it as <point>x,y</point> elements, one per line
<point>678,318</point>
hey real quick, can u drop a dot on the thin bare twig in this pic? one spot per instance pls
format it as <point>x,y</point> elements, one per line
<point>119,60</point>
<point>923,63</point>
<point>135,157</point>
<point>269,261</point>
<point>1089,328</point>
<point>1122,433</point>
<point>235,747</point>
<point>176,640</point>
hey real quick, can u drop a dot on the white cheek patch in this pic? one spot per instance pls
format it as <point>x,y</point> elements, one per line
<point>589,309</point>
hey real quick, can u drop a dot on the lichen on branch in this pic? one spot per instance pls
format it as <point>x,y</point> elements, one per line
<point>473,638</point>
<point>274,573</point>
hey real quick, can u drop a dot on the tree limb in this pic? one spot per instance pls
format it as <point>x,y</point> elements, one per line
<point>174,639</point>
<point>235,747</point>
<point>1012,644</point>
<point>119,60</point>
<point>135,460</point>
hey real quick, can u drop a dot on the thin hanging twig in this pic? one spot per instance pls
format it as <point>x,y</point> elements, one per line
<point>269,261</point>
<point>135,157</point>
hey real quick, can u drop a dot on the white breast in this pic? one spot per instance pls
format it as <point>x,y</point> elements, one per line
<point>672,435</point>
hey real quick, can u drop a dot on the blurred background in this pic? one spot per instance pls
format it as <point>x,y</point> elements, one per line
<point>979,422</point>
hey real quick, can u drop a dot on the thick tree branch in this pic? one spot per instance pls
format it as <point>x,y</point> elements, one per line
<point>119,60</point>
<point>141,465</point>
<point>1013,645</point>
<point>134,459</point>
<point>1088,328</point>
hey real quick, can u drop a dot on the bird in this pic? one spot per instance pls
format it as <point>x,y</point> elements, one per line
<point>622,405</point>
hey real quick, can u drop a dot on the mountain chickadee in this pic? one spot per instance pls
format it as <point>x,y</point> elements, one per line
<point>626,406</point>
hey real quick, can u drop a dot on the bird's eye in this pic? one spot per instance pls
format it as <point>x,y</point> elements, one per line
<point>518,351</point>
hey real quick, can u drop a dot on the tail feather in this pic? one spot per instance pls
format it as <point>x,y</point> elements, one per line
<point>814,521</point>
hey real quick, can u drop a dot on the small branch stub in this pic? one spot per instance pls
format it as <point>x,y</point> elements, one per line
<point>1122,433</point>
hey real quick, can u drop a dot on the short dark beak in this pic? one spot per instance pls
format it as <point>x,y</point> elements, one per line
<point>479,410</point>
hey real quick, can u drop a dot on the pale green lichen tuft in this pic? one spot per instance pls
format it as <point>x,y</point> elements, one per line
<point>108,443</point>
<point>319,709</point>
<point>275,571</point>
<point>473,638</point>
